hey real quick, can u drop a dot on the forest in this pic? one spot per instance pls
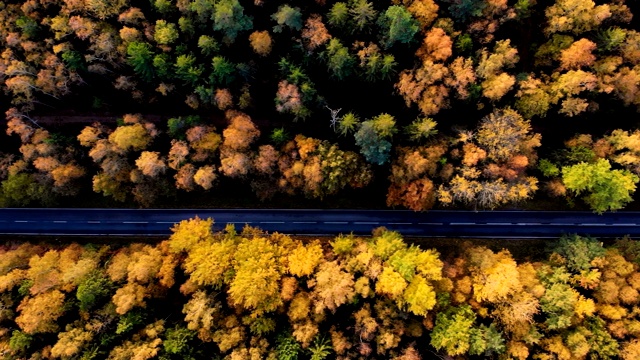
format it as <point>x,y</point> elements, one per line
<point>414,104</point>
<point>251,295</point>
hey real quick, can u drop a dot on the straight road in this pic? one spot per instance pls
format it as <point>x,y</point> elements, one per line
<point>484,224</point>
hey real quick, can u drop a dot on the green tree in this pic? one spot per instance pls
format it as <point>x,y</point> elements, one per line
<point>162,66</point>
<point>28,26</point>
<point>187,70</point>
<point>279,136</point>
<point>22,189</point>
<point>177,340</point>
<point>228,17</point>
<point>486,340</point>
<point>92,290</point>
<point>74,60</point>
<point>287,348</point>
<point>362,14</point>
<point>287,16</point>
<point>339,62</point>
<point>166,33</point>
<point>372,146</point>
<point>140,57</point>
<point>338,16</point>
<point>385,125</point>
<point>559,299</point>
<point>422,128</point>
<point>208,45</point>
<point>223,71</point>
<point>605,189</point>
<point>20,341</point>
<point>579,251</point>
<point>397,25</point>
<point>548,168</point>
<point>452,331</point>
<point>348,123</point>
<point>163,6</point>
<point>463,10</point>
<point>611,39</point>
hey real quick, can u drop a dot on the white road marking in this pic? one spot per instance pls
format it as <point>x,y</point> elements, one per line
<point>500,223</point>
<point>592,224</point>
<point>93,222</point>
<point>21,221</point>
<point>467,223</point>
<point>135,222</point>
<point>563,224</point>
<point>624,224</point>
<point>271,222</point>
<point>400,223</point>
<point>166,222</point>
<point>365,223</point>
<point>336,222</point>
<point>60,221</point>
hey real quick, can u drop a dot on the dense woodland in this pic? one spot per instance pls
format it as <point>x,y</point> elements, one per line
<point>249,295</point>
<point>470,103</point>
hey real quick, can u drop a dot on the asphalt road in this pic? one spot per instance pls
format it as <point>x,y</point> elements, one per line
<point>485,224</point>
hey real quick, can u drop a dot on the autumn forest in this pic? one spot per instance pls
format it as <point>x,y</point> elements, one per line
<point>245,294</point>
<point>478,104</point>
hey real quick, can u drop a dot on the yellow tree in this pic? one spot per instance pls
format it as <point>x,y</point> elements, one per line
<point>130,137</point>
<point>256,282</point>
<point>187,234</point>
<point>38,314</point>
<point>491,69</point>
<point>576,16</point>
<point>151,164</point>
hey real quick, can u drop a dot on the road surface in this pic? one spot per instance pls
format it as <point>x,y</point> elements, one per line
<point>485,224</point>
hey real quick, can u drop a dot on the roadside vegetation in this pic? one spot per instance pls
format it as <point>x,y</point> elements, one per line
<point>479,104</point>
<point>252,295</point>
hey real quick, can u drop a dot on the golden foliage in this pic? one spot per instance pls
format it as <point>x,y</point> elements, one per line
<point>304,258</point>
<point>151,164</point>
<point>299,307</point>
<point>240,133</point>
<point>256,282</point>
<point>201,314</point>
<point>333,287</point>
<point>134,136</point>
<point>210,263</point>
<point>261,42</point>
<point>230,335</point>
<point>494,281</point>
<point>390,283</point>
<point>305,332</point>
<point>631,350</point>
<point>38,314</point>
<point>436,45</point>
<point>128,297</point>
<point>419,297</point>
<point>70,342</point>
<point>189,233</point>
<point>425,11</point>
<point>43,271</point>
